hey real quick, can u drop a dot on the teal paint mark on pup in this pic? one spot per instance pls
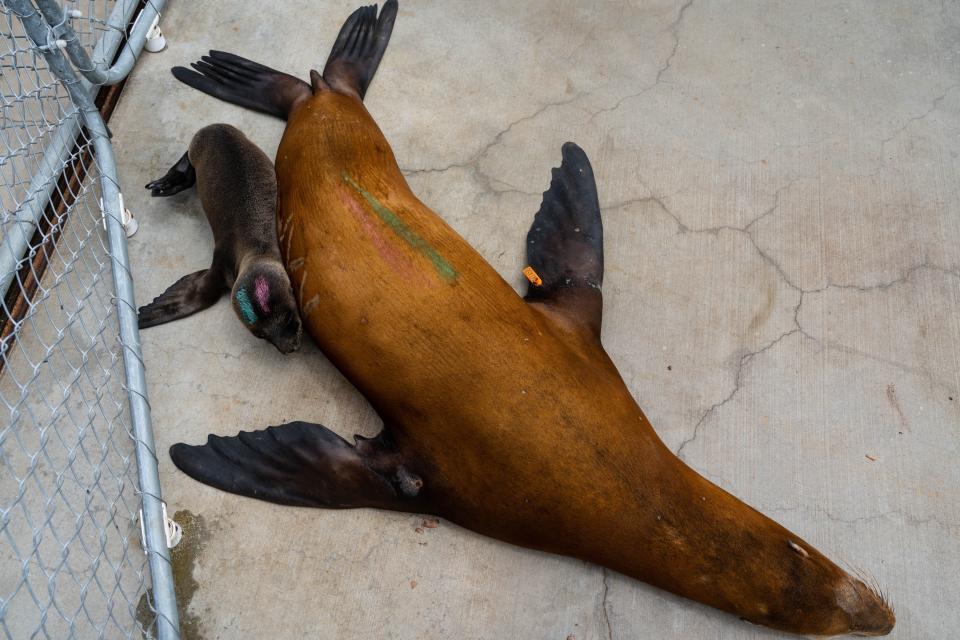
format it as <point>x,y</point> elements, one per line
<point>399,227</point>
<point>246,307</point>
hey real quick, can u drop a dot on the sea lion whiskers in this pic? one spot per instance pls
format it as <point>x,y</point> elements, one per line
<point>870,581</point>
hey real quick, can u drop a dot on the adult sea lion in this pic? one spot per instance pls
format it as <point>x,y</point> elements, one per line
<point>501,413</point>
<point>238,190</point>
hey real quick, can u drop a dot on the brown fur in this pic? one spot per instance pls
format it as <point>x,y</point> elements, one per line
<point>511,412</point>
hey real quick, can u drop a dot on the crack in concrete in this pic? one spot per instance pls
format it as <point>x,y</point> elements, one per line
<point>799,329</point>
<point>773,207</point>
<point>881,285</point>
<point>933,107</point>
<point>603,602</point>
<point>497,139</point>
<point>893,513</point>
<point>773,263</point>
<point>737,380</point>
<point>748,231</point>
<point>674,29</point>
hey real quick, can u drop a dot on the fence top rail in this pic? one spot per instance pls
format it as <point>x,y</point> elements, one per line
<point>96,68</point>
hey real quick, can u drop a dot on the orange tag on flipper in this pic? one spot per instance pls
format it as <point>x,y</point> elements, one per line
<point>532,276</point>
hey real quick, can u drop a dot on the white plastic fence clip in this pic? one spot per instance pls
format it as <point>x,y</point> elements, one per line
<point>130,224</point>
<point>74,13</point>
<point>155,41</point>
<point>173,530</point>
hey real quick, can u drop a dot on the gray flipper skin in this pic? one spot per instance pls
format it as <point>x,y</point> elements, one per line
<point>358,49</point>
<point>306,465</point>
<point>244,82</point>
<point>565,243</point>
<point>192,293</point>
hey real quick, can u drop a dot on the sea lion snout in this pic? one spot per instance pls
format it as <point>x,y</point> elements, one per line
<point>869,613</point>
<point>848,607</point>
<point>288,336</point>
<point>784,583</point>
<point>282,327</point>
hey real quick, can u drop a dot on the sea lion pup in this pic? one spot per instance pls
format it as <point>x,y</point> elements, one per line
<point>238,190</point>
<point>502,414</point>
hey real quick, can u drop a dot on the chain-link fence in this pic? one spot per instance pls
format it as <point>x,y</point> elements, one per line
<point>77,558</point>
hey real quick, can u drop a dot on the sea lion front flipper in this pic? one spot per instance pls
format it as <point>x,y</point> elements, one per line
<point>565,244</point>
<point>358,49</point>
<point>304,464</point>
<point>246,83</point>
<point>191,293</point>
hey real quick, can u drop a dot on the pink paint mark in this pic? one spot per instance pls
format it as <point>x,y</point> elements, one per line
<point>262,292</point>
<point>396,259</point>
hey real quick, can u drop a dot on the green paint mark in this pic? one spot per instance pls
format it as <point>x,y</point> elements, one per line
<point>401,229</point>
<point>246,307</point>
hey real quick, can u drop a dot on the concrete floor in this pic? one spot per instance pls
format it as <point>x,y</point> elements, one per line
<point>779,183</point>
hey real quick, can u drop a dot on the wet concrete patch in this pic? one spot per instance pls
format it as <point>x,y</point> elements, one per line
<point>183,557</point>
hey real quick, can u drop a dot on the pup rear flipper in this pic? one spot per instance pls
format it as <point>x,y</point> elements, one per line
<point>245,83</point>
<point>180,177</point>
<point>359,47</point>
<point>304,464</point>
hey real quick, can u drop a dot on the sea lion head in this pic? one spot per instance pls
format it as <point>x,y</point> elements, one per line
<point>263,299</point>
<point>806,593</point>
<point>867,609</point>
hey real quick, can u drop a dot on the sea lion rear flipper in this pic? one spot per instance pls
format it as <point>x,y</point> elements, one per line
<point>180,177</point>
<point>303,464</point>
<point>358,49</point>
<point>191,293</point>
<point>565,244</point>
<point>246,83</point>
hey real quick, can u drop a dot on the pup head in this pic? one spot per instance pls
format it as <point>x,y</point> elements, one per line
<point>263,300</point>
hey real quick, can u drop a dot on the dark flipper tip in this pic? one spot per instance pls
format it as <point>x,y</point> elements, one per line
<point>359,47</point>
<point>243,82</point>
<point>572,152</point>
<point>179,177</point>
